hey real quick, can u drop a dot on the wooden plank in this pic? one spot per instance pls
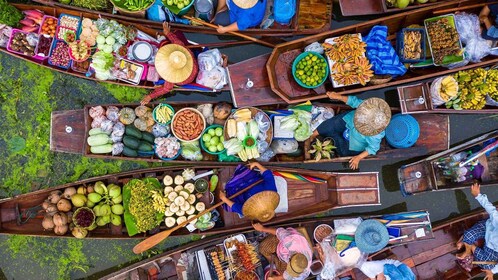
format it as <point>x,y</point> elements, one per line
<point>365,180</point>
<point>433,253</point>
<point>361,7</point>
<point>67,131</point>
<point>434,132</point>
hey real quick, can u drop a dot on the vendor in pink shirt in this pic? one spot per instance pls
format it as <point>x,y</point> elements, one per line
<point>292,249</point>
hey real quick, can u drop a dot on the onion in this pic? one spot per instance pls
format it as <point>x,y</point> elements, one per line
<point>55,196</point>
<point>90,189</point>
<point>64,205</point>
<point>60,219</point>
<point>61,230</point>
<point>51,209</point>
<point>45,204</point>
<point>48,222</point>
<point>79,232</point>
<point>68,192</point>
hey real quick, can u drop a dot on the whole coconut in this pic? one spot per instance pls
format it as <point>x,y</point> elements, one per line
<point>51,209</point>
<point>61,230</point>
<point>48,222</point>
<point>68,192</point>
<point>55,196</point>
<point>64,205</point>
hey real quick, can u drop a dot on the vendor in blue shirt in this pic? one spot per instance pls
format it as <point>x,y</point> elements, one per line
<point>356,133</point>
<point>486,230</point>
<point>489,18</point>
<point>260,201</point>
<point>241,14</point>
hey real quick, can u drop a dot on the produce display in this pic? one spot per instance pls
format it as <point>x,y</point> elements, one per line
<point>79,51</point>
<point>163,114</point>
<point>70,22</point>
<point>83,209</point>
<point>59,55</point>
<point>21,43</point>
<point>412,45</point>
<point>167,147</point>
<point>128,71</point>
<point>444,39</point>
<point>311,70</point>
<point>81,67</point>
<point>9,15</point>
<point>44,45</point>
<point>66,34</point>
<point>32,20</point>
<point>188,124</point>
<point>473,86</point>
<point>133,5</point>
<point>347,60</point>
<point>180,4</point>
<point>49,26</point>
<point>89,31</point>
<point>401,4</point>
<point>447,89</point>
<point>213,139</point>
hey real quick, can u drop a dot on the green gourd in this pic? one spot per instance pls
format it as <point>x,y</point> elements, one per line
<point>101,149</point>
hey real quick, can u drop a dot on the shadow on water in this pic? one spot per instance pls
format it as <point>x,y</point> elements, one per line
<point>463,203</point>
<point>390,174</point>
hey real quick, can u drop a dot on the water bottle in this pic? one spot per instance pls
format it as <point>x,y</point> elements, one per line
<point>204,9</point>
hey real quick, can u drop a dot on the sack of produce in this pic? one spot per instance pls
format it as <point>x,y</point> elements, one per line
<point>215,78</point>
<point>443,89</point>
<point>492,101</point>
<point>191,150</point>
<point>208,60</point>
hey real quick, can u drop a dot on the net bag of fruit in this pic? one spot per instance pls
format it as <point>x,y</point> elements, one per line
<point>443,89</point>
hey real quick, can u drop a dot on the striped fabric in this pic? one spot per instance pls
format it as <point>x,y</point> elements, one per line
<point>381,54</point>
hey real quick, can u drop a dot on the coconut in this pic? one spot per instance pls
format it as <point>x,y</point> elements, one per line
<point>55,196</point>
<point>68,192</point>
<point>48,222</point>
<point>60,219</point>
<point>64,205</point>
<point>61,230</point>
<point>51,209</point>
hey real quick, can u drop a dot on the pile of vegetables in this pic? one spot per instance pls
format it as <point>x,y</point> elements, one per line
<point>102,63</point>
<point>299,122</point>
<point>98,5</point>
<point>9,15</point>
<point>133,5</point>
<point>244,145</point>
<point>113,35</point>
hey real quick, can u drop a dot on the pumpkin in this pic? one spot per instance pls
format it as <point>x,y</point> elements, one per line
<point>140,124</point>
<point>141,111</point>
<point>149,120</point>
<point>127,115</point>
<point>222,110</point>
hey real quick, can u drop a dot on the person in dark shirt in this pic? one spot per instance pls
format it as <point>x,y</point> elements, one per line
<point>488,18</point>
<point>235,15</point>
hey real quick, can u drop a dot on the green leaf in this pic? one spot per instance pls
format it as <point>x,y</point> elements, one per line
<point>16,144</point>
<point>130,222</point>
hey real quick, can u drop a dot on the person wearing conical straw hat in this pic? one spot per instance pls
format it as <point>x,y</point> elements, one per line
<point>356,133</point>
<point>294,254</point>
<point>235,15</point>
<point>175,63</point>
<point>259,202</point>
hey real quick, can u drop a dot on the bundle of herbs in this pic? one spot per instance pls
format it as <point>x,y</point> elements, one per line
<point>98,5</point>
<point>9,15</point>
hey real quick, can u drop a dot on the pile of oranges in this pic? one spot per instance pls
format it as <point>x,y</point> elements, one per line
<point>49,26</point>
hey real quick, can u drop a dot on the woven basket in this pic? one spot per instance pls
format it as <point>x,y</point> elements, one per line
<point>380,79</point>
<point>268,247</point>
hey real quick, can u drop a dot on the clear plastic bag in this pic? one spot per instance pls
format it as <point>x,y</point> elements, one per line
<point>160,130</point>
<point>215,78</point>
<point>476,47</point>
<point>208,60</point>
<point>333,264</point>
<point>263,122</point>
<point>319,115</point>
<point>284,146</point>
<point>314,47</point>
<point>436,99</point>
<point>191,151</point>
<point>266,155</point>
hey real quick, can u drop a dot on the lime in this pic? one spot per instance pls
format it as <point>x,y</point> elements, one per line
<point>211,132</point>
<point>218,131</point>
<point>314,58</point>
<point>212,149</point>
<point>220,147</point>
<point>206,137</point>
<point>301,72</point>
<point>214,141</point>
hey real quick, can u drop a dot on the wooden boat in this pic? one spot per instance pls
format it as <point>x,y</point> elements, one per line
<point>435,259</point>
<point>279,65</point>
<point>432,175</point>
<point>410,102</point>
<point>169,264</point>
<point>311,17</point>
<point>434,137</point>
<point>56,12</point>
<point>304,199</point>
<point>375,7</point>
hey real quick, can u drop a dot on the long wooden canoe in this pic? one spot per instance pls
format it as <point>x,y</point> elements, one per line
<point>168,263</point>
<point>56,12</point>
<point>279,65</point>
<point>434,137</point>
<point>432,177</point>
<point>311,17</point>
<point>304,199</point>
<point>409,97</point>
<point>435,259</point>
<point>375,7</point>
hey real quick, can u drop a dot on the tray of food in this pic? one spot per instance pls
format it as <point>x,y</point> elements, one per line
<point>59,55</point>
<point>22,43</point>
<point>347,61</point>
<point>444,40</point>
<point>229,243</point>
<point>49,26</point>
<point>410,44</point>
<point>128,71</point>
<point>217,263</point>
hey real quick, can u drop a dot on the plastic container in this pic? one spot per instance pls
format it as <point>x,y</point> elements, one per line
<point>139,72</point>
<point>45,17</point>
<point>204,148</point>
<point>76,18</point>
<point>159,106</point>
<point>9,44</point>
<point>320,238</point>
<point>204,9</point>
<point>294,66</point>
<point>47,38</point>
<point>449,58</point>
<point>400,45</point>
<point>284,11</point>
<point>54,43</point>
<point>166,159</point>
<point>403,131</point>
<point>74,67</point>
<point>68,30</point>
<point>80,60</point>
<point>180,12</point>
<point>142,51</point>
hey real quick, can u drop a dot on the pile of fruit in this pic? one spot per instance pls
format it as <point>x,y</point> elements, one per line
<point>448,89</point>
<point>401,4</point>
<point>79,50</point>
<point>213,139</point>
<point>473,86</point>
<point>243,133</point>
<point>49,26</point>
<point>349,64</point>
<point>311,70</point>
<point>180,4</point>
<point>444,39</point>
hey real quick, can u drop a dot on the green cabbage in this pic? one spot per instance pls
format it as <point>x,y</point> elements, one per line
<point>102,63</point>
<point>233,146</point>
<point>241,130</point>
<point>289,123</point>
<point>303,132</point>
<point>253,129</point>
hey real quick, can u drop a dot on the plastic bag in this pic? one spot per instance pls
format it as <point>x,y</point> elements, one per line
<point>319,115</point>
<point>469,29</point>
<point>191,150</point>
<point>208,60</point>
<point>436,99</point>
<point>336,265</point>
<point>160,130</point>
<point>156,12</point>
<point>207,111</point>
<point>314,47</point>
<point>215,78</point>
<point>5,33</point>
<point>266,155</point>
<point>284,146</point>
<point>263,122</point>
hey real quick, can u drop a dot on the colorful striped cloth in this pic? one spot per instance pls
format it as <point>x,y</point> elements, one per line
<point>381,54</point>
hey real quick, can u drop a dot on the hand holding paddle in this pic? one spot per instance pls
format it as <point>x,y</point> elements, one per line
<point>158,237</point>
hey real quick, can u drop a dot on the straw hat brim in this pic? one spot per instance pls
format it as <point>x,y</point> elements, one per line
<point>245,4</point>
<point>174,63</point>
<point>297,264</point>
<point>365,232</point>
<point>372,116</point>
<point>261,206</point>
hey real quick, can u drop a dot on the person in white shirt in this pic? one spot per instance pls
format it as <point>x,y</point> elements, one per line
<point>488,230</point>
<point>387,270</point>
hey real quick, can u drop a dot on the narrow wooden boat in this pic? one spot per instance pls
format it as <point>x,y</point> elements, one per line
<point>311,17</point>
<point>20,214</point>
<point>435,259</point>
<point>279,65</point>
<point>430,174</point>
<point>57,11</point>
<point>375,7</point>
<point>411,102</point>
<point>69,131</point>
<point>169,264</point>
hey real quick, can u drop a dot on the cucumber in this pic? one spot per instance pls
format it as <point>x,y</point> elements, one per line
<point>131,142</point>
<point>101,149</point>
<point>97,140</point>
<point>131,130</point>
<point>145,147</point>
<point>148,137</point>
<point>129,152</point>
<point>96,131</point>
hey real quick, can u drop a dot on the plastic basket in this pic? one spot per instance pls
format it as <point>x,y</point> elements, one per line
<point>167,159</point>
<point>294,66</point>
<point>45,17</point>
<point>400,45</point>
<point>403,131</point>
<point>71,16</point>
<point>9,44</point>
<point>54,43</point>
<point>204,148</point>
<point>155,110</point>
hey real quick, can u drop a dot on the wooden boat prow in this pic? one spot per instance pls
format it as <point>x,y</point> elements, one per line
<point>305,199</point>
<point>431,179</point>
<point>375,7</point>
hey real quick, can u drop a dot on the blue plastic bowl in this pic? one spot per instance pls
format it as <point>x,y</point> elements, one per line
<point>403,131</point>
<point>155,110</point>
<point>299,58</point>
<point>175,157</point>
<point>204,148</point>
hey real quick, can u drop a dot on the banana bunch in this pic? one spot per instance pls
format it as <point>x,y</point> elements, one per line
<point>164,114</point>
<point>159,202</point>
<point>491,82</point>
<point>243,115</point>
<point>449,88</point>
<point>473,88</point>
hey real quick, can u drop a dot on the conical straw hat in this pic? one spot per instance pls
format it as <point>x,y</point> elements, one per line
<point>372,116</point>
<point>297,264</point>
<point>261,206</point>
<point>174,63</point>
<point>245,4</point>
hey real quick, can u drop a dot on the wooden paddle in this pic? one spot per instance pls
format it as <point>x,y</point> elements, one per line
<point>196,20</point>
<point>485,262</point>
<point>446,11</point>
<point>158,237</point>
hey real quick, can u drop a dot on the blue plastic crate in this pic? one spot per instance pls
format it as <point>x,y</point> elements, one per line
<point>54,43</point>
<point>68,15</point>
<point>400,43</point>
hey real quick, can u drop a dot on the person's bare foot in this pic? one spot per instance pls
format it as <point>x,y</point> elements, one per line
<point>467,252</point>
<point>459,243</point>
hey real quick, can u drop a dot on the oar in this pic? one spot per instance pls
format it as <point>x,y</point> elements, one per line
<point>219,44</point>
<point>463,8</point>
<point>485,262</point>
<point>158,237</point>
<point>231,32</point>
